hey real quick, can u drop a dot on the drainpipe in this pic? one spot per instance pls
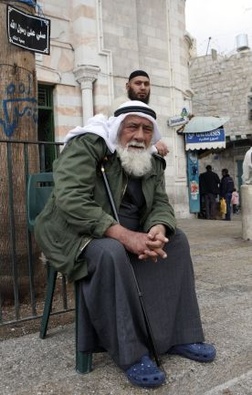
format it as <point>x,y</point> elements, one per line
<point>86,75</point>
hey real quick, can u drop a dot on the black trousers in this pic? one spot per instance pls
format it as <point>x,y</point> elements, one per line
<point>110,312</point>
<point>210,202</point>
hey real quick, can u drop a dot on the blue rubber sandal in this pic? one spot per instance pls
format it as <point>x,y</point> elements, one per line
<point>201,352</point>
<point>145,373</point>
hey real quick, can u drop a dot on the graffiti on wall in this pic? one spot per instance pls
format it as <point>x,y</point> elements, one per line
<point>18,102</point>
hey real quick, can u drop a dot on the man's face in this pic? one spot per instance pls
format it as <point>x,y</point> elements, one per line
<point>138,88</point>
<point>136,133</point>
<point>133,146</point>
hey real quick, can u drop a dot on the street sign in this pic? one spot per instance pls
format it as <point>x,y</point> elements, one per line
<point>28,31</point>
<point>177,120</point>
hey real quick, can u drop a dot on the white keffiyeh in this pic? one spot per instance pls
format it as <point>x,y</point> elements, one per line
<point>108,128</point>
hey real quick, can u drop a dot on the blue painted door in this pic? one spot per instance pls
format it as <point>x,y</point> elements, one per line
<point>193,181</point>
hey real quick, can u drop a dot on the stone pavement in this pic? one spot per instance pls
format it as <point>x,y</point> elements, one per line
<point>223,271</point>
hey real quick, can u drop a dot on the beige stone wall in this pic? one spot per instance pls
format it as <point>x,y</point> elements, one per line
<point>117,37</point>
<point>221,87</point>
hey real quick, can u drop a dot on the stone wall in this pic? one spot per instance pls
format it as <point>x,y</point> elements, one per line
<point>222,86</point>
<point>112,39</point>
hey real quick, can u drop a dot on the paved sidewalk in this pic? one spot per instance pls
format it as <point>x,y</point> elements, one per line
<point>223,271</point>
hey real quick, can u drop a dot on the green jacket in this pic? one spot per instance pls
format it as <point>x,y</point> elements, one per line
<point>78,209</point>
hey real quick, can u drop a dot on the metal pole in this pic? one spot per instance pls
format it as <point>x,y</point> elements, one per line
<point>146,319</point>
<point>209,39</point>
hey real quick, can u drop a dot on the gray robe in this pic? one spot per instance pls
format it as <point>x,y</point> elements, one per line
<point>110,314</point>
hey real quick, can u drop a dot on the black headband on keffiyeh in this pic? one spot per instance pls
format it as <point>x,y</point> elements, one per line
<point>135,108</point>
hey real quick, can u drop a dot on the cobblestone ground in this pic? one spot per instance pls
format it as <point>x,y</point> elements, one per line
<point>223,269</point>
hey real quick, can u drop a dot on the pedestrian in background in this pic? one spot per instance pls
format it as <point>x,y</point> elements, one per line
<point>235,201</point>
<point>209,183</point>
<point>226,190</point>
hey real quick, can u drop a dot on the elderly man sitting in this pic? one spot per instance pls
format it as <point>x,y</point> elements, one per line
<point>81,237</point>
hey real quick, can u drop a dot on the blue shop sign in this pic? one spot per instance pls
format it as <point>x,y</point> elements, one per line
<point>206,140</point>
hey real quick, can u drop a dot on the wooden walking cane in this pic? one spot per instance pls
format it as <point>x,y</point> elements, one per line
<point>146,319</point>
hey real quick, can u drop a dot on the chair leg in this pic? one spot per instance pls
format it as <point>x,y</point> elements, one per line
<point>51,280</point>
<point>83,360</point>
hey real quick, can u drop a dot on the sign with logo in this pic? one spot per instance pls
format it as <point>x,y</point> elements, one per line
<point>28,31</point>
<point>206,140</point>
<point>177,121</point>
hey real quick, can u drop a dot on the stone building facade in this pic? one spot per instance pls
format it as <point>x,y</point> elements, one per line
<point>95,45</point>
<point>222,86</point>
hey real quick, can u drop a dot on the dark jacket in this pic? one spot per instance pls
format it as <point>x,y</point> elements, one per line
<point>79,210</point>
<point>209,183</point>
<point>226,185</point>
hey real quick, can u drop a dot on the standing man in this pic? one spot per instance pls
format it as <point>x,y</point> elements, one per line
<point>209,183</point>
<point>138,87</point>
<point>81,236</point>
<point>226,190</point>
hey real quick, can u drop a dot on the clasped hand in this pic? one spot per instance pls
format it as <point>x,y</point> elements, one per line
<point>144,245</point>
<point>154,244</point>
<point>147,245</point>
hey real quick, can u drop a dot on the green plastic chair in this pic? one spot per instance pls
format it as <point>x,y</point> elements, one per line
<point>39,188</point>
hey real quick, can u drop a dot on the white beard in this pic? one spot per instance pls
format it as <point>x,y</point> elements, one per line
<point>136,163</point>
